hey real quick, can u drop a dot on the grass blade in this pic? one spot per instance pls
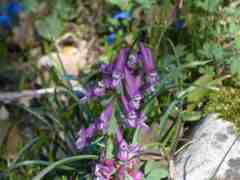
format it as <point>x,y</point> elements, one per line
<point>60,163</point>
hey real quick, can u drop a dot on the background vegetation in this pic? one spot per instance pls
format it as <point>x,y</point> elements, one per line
<point>195,45</point>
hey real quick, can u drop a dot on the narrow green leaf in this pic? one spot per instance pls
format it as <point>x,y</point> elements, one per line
<point>38,162</point>
<point>195,64</point>
<point>62,162</point>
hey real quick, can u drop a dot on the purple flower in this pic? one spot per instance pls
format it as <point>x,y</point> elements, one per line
<point>84,135</point>
<point>127,156</point>
<point>121,15</point>
<point>121,172</point>
<point>133,85</point>
<point>126,152</point>
<point>81,141</point>
<point>118,69</point>
<point>130,114</point>
<point>99,90</point>
<point>106,69</point>
<point>133,61</point>
<point>104,170</point>
<point>148,61</point>
<point>105,117</point>
<point>149,68</point>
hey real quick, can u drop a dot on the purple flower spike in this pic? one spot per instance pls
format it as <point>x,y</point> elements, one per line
<point>149,65</point>
<point>119,67</point>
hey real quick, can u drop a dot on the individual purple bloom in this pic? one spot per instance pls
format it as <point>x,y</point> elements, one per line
<point>104,170</point>
<point>106,69</point>
<point>126,152</point>
<point>121,15</point>
<point>141,122</point>
<point>5,22</point>
<point>105,117</point>
<point>121,172</point>
<point>130,115</point>
<point>133,85</point>
<point>107,83</point>
<point>122,154</point>
<point>149,68</point>
<point>81,141</point>
<point>148,61</point>
<point>90,131</point>
<point>118,68</point>
<point>133,61</point>
<point>13,9</point>
<point>111,38</point>
<point>179,24</point>
<point>84,135</point>
<point>99,90</point>
<point>126,155</point>
<point>152,78</point>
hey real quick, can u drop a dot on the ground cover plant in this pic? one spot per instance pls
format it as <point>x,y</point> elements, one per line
<point>158,67</point>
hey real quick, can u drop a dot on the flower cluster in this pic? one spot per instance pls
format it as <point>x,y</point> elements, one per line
<point>9,14</point>
<point>130,76</point>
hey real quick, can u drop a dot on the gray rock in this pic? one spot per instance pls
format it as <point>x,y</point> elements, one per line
<point>211,140</point>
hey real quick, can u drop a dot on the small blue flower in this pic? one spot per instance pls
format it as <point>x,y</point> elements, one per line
<point>79,94</point>
<point>5,22</point>
<point>121,15</point>
<point>13,9</point>
<point>179,24</point>
<point>111,38</point>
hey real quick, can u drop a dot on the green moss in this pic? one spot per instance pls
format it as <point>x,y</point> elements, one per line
<point>226,103</point>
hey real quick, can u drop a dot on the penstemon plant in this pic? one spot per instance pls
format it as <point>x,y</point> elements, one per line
<point>128,80</point>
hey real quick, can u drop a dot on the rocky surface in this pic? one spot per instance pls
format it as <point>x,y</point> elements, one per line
<point>211,140</point>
